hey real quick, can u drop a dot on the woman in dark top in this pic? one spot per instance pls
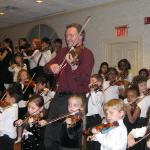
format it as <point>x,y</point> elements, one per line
<point>6,55</point>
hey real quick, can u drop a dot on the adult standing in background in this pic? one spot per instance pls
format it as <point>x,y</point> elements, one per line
<point>6,56</point>
<point>56,47</point>
<point>72,78</point>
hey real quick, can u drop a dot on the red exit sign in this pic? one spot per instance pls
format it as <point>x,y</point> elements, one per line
<point>147,20</point>
<point>121,31</point>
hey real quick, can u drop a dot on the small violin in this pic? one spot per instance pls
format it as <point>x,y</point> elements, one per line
<point>120,83</point>
<point>74,119</point>
<point>30,83</point>
<point>100,128</point>
<point>96,87</point>
<point>44,92</point>
<point>35,118</point>
<point>29,51</point>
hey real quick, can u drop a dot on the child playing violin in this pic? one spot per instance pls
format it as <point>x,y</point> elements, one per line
<point>71,136</point>
<point>95,107</point>
<point>110,89</point>
<point>71,129</point>
<point>123,68</point>
<point>41,88</point>
<point>8,114</point>
<point>17,66</point>
<point>23,80</point>
<point>116,138</point>
<point>27,90</point>
<point>141,110</point>
<point>132,95</point>
<point>32,137</point>
<point>140,132</point>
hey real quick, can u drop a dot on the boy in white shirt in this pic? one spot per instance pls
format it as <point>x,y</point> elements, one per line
<point>111,90</point>
<point>95,107</point>
<point>9,113</point>
<point>116,138</point>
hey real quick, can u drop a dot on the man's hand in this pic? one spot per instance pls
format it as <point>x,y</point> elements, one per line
<point>55,68</point>
<point>70,61</point>
<point>69,58</point>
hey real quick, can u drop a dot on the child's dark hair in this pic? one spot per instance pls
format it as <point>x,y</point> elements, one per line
<point>98,77</point>
<point>144,70</point>
<point>102,64</point>
<point>15,92</point>
<point>17,55</point>
<point>46,40</point>
<point>41,80</point>
<point>138,79</point>
<point>128,65</point>
<point>58,41</point>
<point>133,88</point>
<point>110,71</point>
<point>37,99</point>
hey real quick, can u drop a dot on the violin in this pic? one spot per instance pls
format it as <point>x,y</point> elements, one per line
<point>44,91</point>
<point>63,117</point>
<point>96,87</point>
<point>31,119</point>
<point>120,83</point>
<point>74,119</point>
<point>75,52</point>
<point>139,99</point>
<point>30,83</point>
<point>100,128</point>
<point>29,51</point>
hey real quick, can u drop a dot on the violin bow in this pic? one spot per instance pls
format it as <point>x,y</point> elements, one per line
<point>110,85</point>
<point>29,83</point>
<point>140,99</point>
<point>144,137</point>
<point>73,44</point>
<point>3,96</point>
<point>61,117</point>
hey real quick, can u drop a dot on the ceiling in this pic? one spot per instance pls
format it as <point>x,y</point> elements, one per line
<point>19,11</point>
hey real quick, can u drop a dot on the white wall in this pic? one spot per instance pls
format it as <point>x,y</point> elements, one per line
<point>101,27</point>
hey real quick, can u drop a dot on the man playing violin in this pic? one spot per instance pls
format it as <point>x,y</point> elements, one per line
<point>71,78</point>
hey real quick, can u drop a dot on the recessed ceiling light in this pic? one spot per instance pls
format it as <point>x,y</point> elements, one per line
<point>39,1</point>
<point>2,13</point>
